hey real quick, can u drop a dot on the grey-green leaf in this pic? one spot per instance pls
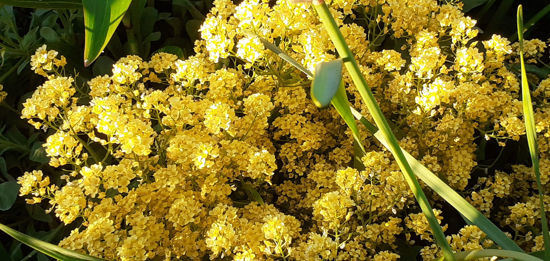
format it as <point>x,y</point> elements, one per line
<point>38,154</point>
<point>8,194</point>
<point>326,82</point>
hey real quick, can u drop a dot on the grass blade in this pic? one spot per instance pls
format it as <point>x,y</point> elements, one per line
<point>432,180</point>
<point>284,56</point>
<point>351,65</point>
<point>44,4</point>
<point>529,118</point>
<point>341,104</point>
<point>447,193</point>
<point>326,83</point>
<point>47,248</point>
<point>476,254</point>
<point>539,15</point>
<point>339,100</point>
<point>101,18</point>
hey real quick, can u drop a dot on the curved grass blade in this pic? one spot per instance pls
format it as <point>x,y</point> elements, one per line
<point>101,18</point>
<point>432,180</point>
<point>45,4</point>
<point>447,193</point>
<point>251,193</point>
<point>353,68</point>
<point>477,254</point>
<point>326,83</point>
<point>284,56</point>
<point>539,15</point>
<point>341,104</point>
<point>529,118</point>
<point>47,248</point>
<point>339,100</point>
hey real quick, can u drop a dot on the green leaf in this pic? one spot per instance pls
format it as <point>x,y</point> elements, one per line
<point>192,29</point>
<point>3,251</point>
<point>252,193</point>
<point>38,213</point>
<point>171,49</point>
<point>471,4</point>
<point>149,16</point>
<point>8,194</point>
<point>45,247</point>
<point>328,76</point>
<point>101,18</point>
<point>4,169</point>
<point>541,72</point>
<point>155,36</point>
<point>103,66</point>
<point>49,34</point>
<point>46,4</point>
<point>531,132</point>
<point>190,7</point>
<point>38,154</point>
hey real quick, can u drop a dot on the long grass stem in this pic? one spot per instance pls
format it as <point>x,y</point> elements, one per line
<point>351,65</point>
<point>528,116</point>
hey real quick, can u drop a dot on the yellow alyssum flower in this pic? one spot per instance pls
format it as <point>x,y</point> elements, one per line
<point>49,99</point>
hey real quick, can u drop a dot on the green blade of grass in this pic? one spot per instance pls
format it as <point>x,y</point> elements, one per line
<point>284,56</point>
<point>351,65</point>
<point>341,104</point>
<point>476,254</point>
<point>339,100</point>
<point>101,18</point>
<point>45,4</point>
<point>326,83</point>
<point>252,193</point>
<point>529,118</point>
<point>432,180</point>
<point>447,193</point>
<point>47,248</point>
<point>539,15</point>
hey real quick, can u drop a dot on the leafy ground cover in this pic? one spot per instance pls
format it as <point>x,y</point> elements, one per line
<point>213,147</point>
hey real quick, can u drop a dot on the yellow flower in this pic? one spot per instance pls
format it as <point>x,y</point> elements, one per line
<point>33,183</point>
<point>333,209</point>
<point>69,202</point>
<point>250,49</point>
<point>44,61</point>
<point>3,94</point>
<point>49,99</point>
<point>219,116</point>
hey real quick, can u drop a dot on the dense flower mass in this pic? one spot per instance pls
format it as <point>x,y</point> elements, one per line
<point>223,154</point>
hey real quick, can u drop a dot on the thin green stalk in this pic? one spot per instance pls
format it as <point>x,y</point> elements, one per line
<point>528,116</point>
<point>361,84</point>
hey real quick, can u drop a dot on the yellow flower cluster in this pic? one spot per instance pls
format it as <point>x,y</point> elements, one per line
<point>223,155</point>
<point>3,94</point>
